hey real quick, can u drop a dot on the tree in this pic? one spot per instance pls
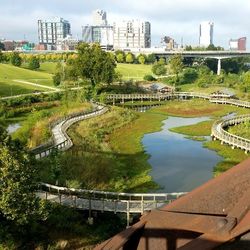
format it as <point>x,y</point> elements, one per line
<point>58,76</point>
<point>141,59</point>
<point>2,46</point>
<point>129,58</point>
<point>176,65</point>
<point>159,69</point>
<point>162,61</point>
<point>213,47</point>
<point>15,59</point>
<point>151,58</point>
<point>34,63</point>
<point>188,48</point>
<point>94,64</point>
<point>18,176</point>
<point>120,57</point>
<point>245,87</point>
<point>189,75</point>
<point>149,78</point>
<point>1,56</point>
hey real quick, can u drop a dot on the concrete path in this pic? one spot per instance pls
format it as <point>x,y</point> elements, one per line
<point>36,85</point>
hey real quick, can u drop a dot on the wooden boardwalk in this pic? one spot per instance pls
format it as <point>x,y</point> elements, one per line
<point>218,132</point>
<point>106,201</point>
<point>60,139</point>
<point>160,97</point>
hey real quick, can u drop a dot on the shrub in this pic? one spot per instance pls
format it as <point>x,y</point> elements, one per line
<point>34,63</point>
<point>15,59</point>
<point>149,78</point>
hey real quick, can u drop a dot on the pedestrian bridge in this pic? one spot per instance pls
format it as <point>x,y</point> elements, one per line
<point>106,201</point>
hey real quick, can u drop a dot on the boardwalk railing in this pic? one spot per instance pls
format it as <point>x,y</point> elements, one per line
<point>60,139</point>
<point>218,132</point>
<point>106,201</point>
<point>238,103</point>
<point>166,96</point>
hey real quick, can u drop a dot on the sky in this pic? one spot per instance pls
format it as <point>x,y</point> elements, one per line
<point>179,19</point>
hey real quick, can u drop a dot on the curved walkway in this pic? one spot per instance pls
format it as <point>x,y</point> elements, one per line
<point>60,139</point>
<point>235,141</point>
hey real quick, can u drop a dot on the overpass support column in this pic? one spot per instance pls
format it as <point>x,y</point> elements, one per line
<point>219,66</point>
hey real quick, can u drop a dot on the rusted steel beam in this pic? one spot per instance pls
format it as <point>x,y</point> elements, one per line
<point>210,215</point>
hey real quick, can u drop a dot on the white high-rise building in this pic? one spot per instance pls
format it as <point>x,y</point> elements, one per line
<point>98,34</point>
<point>99,18</point>
<point>206,33</point>
<point>132,34</point>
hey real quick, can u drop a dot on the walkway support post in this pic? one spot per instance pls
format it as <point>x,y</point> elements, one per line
<point>219,66</point>
<point>128,215</point>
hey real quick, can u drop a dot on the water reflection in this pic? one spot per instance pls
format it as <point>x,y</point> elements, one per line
<point>179,164</point>
<point>13,127</point>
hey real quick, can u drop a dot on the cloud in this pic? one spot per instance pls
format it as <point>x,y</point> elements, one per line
<point>177,18</point>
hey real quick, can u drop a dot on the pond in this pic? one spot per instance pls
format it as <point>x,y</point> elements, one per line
<point>179,164</point>
<point>13,127</point>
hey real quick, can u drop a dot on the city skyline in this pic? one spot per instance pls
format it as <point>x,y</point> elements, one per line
<point>178,19</point>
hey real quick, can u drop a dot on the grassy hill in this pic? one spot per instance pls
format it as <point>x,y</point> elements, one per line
<point>9,73</point>
<point>128,71</point>
<point>133,71</point>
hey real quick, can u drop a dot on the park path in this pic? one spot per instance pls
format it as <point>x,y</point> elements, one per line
<point>36,84</point>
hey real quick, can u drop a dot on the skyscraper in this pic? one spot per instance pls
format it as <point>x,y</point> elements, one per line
<point>132,34</point>
<point>52,30</point>
<point>99,18</point>
<point>206,33</point>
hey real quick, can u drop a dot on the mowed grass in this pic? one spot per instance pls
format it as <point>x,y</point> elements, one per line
<point>9,73</point>
<point>128,71</point>
<point>133,71</point>
<point>211,88</point>
<point>48,67</point>
<point>13,88</point>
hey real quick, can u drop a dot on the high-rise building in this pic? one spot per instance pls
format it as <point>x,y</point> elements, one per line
<point>238,44</point>
<point>206,34</point>
<point>99,18</point>
<point>52,30</point>
<point>98,34</point>
<point>132,34</point>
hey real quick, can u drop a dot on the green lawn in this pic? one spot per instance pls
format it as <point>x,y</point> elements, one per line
<point>210,89</point>
<point>9,73</point>
<point>133,71</point>
<point>48,67</point>
<point>13,88</point>
<point>128,71</point>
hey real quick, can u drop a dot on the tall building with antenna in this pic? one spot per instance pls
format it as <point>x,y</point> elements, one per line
<point>99,18</point>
